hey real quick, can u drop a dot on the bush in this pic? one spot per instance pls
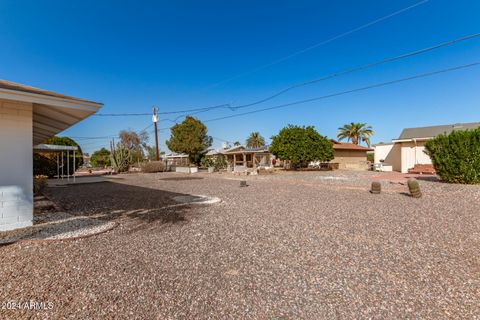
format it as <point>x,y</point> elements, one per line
<point>207,162</point>
<point>220,162</point>
<point>43,166</point>
<point>217,161</point>
<point>39,184</point>
<point>100,158</point>
<point>456,156</point>
<point>153,166</point>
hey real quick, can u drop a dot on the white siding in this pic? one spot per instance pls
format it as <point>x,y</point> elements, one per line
<point>16,167</point>
<point>413,154</point>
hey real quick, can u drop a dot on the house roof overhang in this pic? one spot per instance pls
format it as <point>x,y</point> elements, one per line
<point>52,113</point>
<point>411,139</point>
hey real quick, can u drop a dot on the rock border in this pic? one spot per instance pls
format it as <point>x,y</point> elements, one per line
<point>26,241</point>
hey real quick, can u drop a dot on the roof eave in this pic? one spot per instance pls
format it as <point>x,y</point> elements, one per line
<point>50,100</point>
<point>412,139</point>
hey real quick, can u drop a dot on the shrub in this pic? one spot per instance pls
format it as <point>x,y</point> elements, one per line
<point>43,166</point>
<point>207,162</point>
<point>39,184</point>
<point>100,158</point>
<point>153,166</point>
<point>456,156</point>
<point>220,162</point>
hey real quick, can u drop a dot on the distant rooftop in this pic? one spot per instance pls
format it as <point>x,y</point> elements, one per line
<point>348,146</point>
<point>433,131</point>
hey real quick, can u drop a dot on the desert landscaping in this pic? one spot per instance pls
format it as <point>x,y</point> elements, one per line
<point>291,245</point>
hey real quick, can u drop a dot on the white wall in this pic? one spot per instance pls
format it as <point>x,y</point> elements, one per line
<point>390,154</point>
<point>413,154</point>
<point>16,165</point>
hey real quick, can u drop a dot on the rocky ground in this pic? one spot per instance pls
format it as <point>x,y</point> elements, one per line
<point>288,246</point>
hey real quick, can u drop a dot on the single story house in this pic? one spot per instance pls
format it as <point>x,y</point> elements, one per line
<point>347,156</point>
<point>28,116</point>
<point>407,151</point>
<point>177,159</point>
<point>350,156</point>
<point>240,158</point>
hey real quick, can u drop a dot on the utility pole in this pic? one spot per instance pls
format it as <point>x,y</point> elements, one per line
<point>155,120</point>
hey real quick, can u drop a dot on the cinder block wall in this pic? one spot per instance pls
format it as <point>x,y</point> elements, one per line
<point>16,165</point>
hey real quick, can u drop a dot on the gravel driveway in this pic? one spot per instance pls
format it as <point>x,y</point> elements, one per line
<point>294,247</point>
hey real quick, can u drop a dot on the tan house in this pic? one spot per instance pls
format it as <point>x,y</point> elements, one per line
<point>406,152</point>
<point>350,156</point>
<point>28,116</point>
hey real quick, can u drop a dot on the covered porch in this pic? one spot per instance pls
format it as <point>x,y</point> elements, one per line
<point>241,159</point>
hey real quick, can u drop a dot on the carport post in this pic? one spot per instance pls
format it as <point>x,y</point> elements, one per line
<point>62,165</point>
<point>58,167</point>
<point>73,166</point>
<point>68,165</point>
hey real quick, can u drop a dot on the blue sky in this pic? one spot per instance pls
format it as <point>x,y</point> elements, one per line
<point>131,55</point>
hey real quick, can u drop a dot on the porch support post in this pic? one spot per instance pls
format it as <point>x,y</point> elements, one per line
<point>234,161</point>
<point>68,165</point>
<point>244,160</point>
<point>254,160</point>
<point>58,166</point>
<point>73,166</point>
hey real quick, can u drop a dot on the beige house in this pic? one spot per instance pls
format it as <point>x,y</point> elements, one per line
<point>350,156</point>
<point>28,116</point>
<point>404,153</point>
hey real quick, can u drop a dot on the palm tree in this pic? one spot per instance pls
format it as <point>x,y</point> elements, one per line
<point>255,140</point>
<point>355,132</point>
<point>236,143</point>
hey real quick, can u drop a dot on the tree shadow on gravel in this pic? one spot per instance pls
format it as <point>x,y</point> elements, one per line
<point>109,201</point>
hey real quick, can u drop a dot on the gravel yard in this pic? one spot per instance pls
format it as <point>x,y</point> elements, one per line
<point>308,245</point>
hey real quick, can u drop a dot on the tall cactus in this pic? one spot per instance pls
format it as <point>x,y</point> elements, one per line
<point>120,157</point>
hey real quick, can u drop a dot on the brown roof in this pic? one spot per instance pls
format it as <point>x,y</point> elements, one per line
<point>348,146</point>
<point>4,84</point>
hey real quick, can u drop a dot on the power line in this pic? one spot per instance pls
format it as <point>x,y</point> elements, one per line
<point>302,84</point>
<point>317,98</point>
<point>344,34</point>
<point>377,85</point>
<point>382,84</point>
<point>355,69</point>
<point>226,105</point>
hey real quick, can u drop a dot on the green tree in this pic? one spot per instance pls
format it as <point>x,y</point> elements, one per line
<point>356,132</point>
<point>456,156</point>
<point>190,137</point>
<point>100,158</point>
<point>255,140</point>
<point>237,143</point>
<point>301,145</point>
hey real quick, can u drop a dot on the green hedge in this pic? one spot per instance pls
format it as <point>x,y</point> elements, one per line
<point>456,156</point>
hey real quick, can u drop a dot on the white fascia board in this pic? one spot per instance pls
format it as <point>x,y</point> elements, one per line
<point>49,100</point>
